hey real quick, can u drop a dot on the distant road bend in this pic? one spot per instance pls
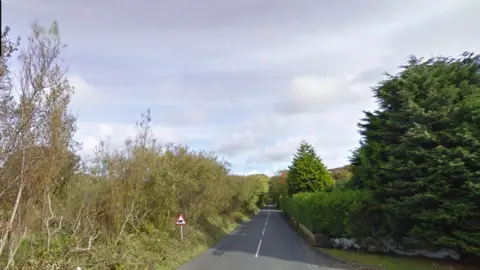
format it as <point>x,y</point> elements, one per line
<point>265,243</point>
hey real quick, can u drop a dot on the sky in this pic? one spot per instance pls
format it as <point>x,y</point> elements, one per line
<point>248,80</point>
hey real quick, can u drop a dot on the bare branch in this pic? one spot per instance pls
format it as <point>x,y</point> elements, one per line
<point>77,221</point>
<point>12,219</point>
<point>14,248</point>
<point>89,247</point>
<point>125,222</point>
<point>52,216</point>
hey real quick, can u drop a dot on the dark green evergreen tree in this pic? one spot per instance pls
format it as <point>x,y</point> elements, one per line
<point>307,172</point>
<point>421,152</point>
<point>358,164</point>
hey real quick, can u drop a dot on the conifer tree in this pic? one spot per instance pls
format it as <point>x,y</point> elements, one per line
<point>421,152</point>
<point>307,172</point>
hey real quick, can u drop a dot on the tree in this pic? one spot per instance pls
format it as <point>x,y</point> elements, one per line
<point>260,184</point>
<point>38,120</point>
<point>421,152</point>
<point>358,164</point>
<point>67,170</point>
<point>341,174</point>
<point>7,102</point>
<point>307,172</point>
<point>278,185</point>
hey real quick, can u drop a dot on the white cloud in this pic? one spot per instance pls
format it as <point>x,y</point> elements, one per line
<point>322,111</point>
<point>248,79</point>
<point>239,141</point>
<point>85,94</point>
<point>105,130</point>
<point>281,150</point>
<point>115,134</point>
<point>332,137</point>
<point>311,93</point>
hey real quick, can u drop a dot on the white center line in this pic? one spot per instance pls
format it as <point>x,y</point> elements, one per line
<point>258,248</point>
<point>263,232</point>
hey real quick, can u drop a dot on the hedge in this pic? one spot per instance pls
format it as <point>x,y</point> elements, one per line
<point>325,212</point>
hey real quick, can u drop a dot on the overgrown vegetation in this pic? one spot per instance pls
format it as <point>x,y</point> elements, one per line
<point>278,186</point>
<point>116,211</point>
<point>341,174</point>
<point>418,163</point>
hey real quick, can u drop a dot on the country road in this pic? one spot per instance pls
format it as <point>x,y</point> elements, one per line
<point>266,242</point>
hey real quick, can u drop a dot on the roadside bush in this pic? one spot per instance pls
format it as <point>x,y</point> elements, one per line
<point>128,197</point>
<point>115,211</point>
<point>327,213</point>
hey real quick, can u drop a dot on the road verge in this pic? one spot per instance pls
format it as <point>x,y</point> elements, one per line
<point>319,242</point>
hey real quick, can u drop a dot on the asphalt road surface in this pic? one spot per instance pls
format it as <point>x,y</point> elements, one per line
<point>266,242</point>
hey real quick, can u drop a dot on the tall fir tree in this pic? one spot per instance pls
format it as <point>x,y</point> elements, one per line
<point>421,152</point>
<point>307,172</point>
<point>358,163</point>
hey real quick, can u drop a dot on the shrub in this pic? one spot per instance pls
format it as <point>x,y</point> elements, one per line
<point>327,213</point>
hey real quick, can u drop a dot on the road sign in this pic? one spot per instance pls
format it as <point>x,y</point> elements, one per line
<point>180,220</point>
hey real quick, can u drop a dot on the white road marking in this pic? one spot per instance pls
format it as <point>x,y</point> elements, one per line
<point>258,248</point>
<point>263,232</point>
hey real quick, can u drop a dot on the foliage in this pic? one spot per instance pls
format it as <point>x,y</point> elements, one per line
<point>112,212</point>
<point>37,120</point>
<point>307,172</point>
<point>278,185</point>
<point>326,212</point>
<point>420,153</point>
<point>259,183</point>
<point>250,192</point>
<point>6,98</point>
<point>341,174</point>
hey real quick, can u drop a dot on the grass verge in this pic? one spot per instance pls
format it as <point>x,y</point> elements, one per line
<point>396,262</point>
<point>153,248</point>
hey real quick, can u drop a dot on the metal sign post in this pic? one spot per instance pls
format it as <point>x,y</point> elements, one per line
<point>180,221</point>
<point>181,232</point>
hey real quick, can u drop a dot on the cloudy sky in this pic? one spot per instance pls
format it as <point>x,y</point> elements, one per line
<point>246,79</point>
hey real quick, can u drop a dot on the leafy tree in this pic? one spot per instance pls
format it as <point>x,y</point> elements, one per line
<point>36,120</point>
<point>278,186</point>
<point>341,174</point>
<point>260,184</point>
<point>7,102</point>
<point>307,172</point>
<point>421,152</point>
<point>42,155</point>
